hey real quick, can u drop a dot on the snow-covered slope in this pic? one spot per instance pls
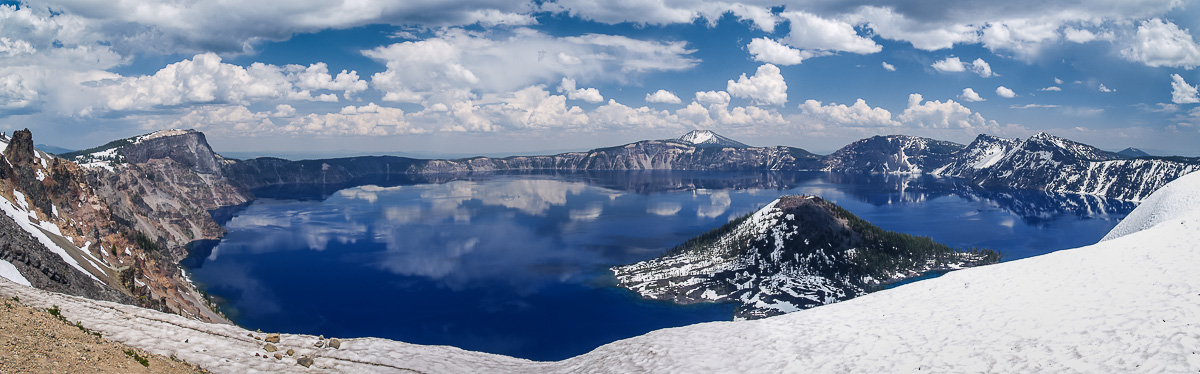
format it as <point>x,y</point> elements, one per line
<point>1130,304</point>
<point>1178,198</point>
<point>706,138</point>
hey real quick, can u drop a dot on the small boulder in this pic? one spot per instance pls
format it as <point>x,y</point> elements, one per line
<point>278,356</point>
<point>320,343</point>
<point>304,361</point>
<point>272,338</point>
<point>270,348</point>
<point>291,352</point>
<point>335,343</point>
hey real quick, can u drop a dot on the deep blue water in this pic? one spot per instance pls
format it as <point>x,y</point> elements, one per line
<point>517,264</point>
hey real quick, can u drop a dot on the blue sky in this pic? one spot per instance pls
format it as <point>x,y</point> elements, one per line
<point>500,77</point>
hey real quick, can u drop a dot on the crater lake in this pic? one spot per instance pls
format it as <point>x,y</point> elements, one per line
<point>517,264</point>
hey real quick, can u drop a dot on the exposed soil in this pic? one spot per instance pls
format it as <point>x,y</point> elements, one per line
<point>36,341</point>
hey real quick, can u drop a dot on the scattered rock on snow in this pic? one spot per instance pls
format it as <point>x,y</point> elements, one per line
<point>278,356</point>
<point>304,361</point>
<point>320,343</point>
<point>291,352</point>
<point>273,338</point>
<point>270,348</point>
<point>335,343</point>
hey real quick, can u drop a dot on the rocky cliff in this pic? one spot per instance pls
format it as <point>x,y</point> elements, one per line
<point>123,223</point>
<point>796,253</point>
<point>1049,163</point>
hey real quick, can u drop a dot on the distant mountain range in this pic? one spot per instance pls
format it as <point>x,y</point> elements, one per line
<point>1041,162</point>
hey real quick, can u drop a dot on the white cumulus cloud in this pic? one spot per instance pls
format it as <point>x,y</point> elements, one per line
<point>857,115</point>
<point>15,94</point>
<point>765,87</point>
<point>590,95</point>
<point>712,97</point>
<point>205,79</point>
<point>772,52</point>
<point>955,65</point>
<point>950,65</point>
<point>1182,92</point>
<point>1159,43</point>
<point>811,32</point>
<point>969,95</point>
<point>887,66</point>
<point>1051,88</point>
<point>937,114</point>
<point>458,64</point>
<point>1005,92</point>
<point>663,96</point>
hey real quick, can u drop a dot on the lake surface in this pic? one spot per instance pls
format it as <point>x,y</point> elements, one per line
<point>517,264</point>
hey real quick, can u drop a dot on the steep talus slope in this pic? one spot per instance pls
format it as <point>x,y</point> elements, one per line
<point>796,253</point>
<point>892,154</point>
<point>43,269</point>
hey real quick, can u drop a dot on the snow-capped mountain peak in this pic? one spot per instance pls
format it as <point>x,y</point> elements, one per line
<point>1044,141</point>
<point>707,138</point>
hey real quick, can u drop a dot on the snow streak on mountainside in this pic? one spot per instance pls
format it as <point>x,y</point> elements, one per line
<point>796,253</point>
<point>1127,304</point>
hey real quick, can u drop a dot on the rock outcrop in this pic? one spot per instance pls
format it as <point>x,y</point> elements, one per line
<point>126,226</point>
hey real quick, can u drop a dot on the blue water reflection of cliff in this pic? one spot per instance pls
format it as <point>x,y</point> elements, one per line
<point>517,264</point>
